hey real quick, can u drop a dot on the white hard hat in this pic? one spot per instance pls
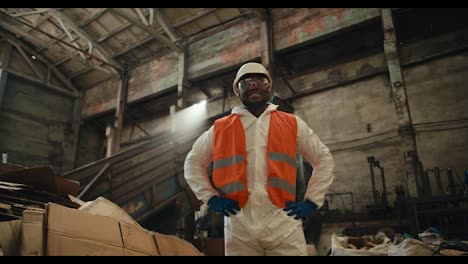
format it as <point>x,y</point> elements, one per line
<point>250,68</point>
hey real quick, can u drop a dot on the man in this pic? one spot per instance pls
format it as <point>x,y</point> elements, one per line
<point>253,151</point>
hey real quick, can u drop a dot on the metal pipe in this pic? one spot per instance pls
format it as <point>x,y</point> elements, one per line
<point>438,180</point>
<point>101,172</point>
<point>371,165</point>
<point>451,181</point>
<point>420,172</point>
<point>384,188</point>
<point>426,184</point>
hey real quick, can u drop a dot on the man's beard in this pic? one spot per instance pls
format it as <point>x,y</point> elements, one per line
<point>255,104</point>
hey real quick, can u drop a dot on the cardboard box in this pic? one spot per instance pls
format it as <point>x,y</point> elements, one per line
<point>32,233</point>
<point>137,241</point>
<point>62,245</point>
<point>76,233</point>
<point>71,232</point>
<point>10,235</point>
<point>173,246</point>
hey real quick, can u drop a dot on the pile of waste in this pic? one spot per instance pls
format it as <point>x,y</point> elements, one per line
<point>429,243</point>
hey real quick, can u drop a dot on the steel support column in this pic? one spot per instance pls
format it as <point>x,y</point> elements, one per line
<point>400,100</point>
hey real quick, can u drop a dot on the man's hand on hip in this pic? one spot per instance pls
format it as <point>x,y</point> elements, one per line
<point>301,209</point>
<point>223,205</point>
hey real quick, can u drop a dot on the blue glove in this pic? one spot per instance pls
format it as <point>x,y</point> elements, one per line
<point>223,205</point>
<point>300,209</point>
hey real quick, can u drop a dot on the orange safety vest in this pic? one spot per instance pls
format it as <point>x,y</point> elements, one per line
<point>230,158</point>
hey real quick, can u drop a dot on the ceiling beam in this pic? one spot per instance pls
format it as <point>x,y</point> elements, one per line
<point>151,16</point>
<point>57,72</point>
<point>99,49</point>
<point>128,24</point>
<point>191,18</point>
<point>28,60</point>
<point>81,72</point>
<point>14,26</point>
<point>98,67</point>
<point>150,30</point>
<point>63,60</point>
<point>49,43</point>
<point>162,20</point>
<point>41,20</point>
<point>47,85</point>
<point>30,12</point>
<point>72,40</point>
<point>142,16</point>
<point>114,31</point>
<point>92,17</point>
<point>72,54</point>
<point>132,46</point>
<point>26,35</point>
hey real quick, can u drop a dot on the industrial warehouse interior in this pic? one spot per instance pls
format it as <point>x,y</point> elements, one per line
<point>100,109</point>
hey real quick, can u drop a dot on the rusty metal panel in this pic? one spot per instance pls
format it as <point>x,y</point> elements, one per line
<point>100,98</point>
<point>90,78</point>
<point>165,190</point>
<point>293,26</point>
<point>151,167</point>
<point>227,48</point>
<point>153,77</point>
<point>136,206</point>
<point>438,45</point>
<point>135,179</point>
<point>339,74</point>
<point>143,181</point>
<point>128,164</point>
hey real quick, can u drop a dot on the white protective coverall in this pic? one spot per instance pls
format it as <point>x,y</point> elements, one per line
<point>262,228</point>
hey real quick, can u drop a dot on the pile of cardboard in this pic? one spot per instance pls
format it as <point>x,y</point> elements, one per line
<point>64,231</point>
<point>41,216</point>
<point>22,188</point>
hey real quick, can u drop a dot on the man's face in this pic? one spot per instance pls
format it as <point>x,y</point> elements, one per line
<point>254,89</point>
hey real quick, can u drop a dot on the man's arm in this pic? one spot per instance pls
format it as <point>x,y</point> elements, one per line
<point>196,164</point>
<point>319,156</point>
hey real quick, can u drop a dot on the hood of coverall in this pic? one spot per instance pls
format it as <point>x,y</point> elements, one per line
<point>251,68</point>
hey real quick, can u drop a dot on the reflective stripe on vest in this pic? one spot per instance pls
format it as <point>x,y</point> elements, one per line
<point>278,156</point>
<point>235,186</point>
<point>282,184</point>
<point>229,159</point>
<point>282,140</point>
<point>232,188</point>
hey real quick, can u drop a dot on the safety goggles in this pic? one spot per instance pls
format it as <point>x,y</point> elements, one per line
<point>261,82</point>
